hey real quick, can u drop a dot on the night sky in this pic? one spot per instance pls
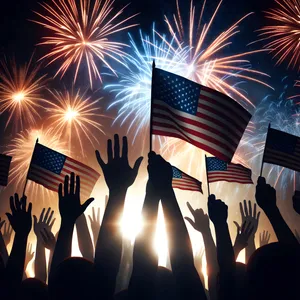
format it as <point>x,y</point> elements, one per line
<point>19,38</point>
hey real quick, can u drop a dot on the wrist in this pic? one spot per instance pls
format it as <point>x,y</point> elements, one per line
<point>117,192</point>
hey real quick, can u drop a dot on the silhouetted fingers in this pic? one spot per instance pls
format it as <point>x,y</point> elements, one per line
<point>250,208</point>
<point>9,217</point>
<point>261,181</point>
<point>125,148</point>
<point>190,208</point>
<point>99,159</point>
<point>86,204</point>
<point>93,213</point>
<point>98,215</point>
<point>52,223</point>
<point>60,189</point>
<point>191,222</point>
<point>77,189</point>
<point>254,212</point>
<point>17,202</point>
<point>109,151</point>
<point>238,227</point>
<point>258,215</point>
<point>245,208</point>
<point>116,146</point>
<point>137,164</point>
<point>242,211</point>
<point>72,184</point>
<point>48,217</point>
<point>42,215</point>
<point>66,186</point>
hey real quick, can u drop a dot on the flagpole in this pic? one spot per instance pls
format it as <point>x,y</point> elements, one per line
<point>207,176</point>
<point>262,163</point>
<point>24,190</point>
<point>153,67</point>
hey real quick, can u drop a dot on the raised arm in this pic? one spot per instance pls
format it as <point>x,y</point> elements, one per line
<point>49,243</point>
<point>21,222</point>
<point>250,215</point>
<point>84,238</point>
<point>201,224</point>
<point>145,260</point>
<point>266,199</point>
<point>28,257</point>
<point>95,223</point>
<point>70,209</point>
<point>188,283</point>
<point>218,213</point>
<point>45,221</point>
<point>3,250</point>
<point>119,176</point>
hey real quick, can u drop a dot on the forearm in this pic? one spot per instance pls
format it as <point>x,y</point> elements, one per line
<point>63,247</point>
<point>16,260</point>
<point>3,249</point>
<point>40,262</point>
<point>84,239</point>
<point>226,260</point>
<point>145,260</point>
<point>282,230</point>
<point>250,249</point>
<point>212,263</point>
<point>109,243</point>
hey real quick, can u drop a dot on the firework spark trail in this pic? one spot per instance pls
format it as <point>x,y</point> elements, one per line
<point>83,32</point>
<point>206,64</point>
<point>284,34</point>
<point>134,89</point>
<point>20,92</point>
<point>21,149</point>
<point>76,116</point>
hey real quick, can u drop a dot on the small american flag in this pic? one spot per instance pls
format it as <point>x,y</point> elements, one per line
<point>49,168</point>
<point>4,169</point>
<point>282,149</point>
<point>196,114</point>
<point>185,182</point>
<point>219,170</point>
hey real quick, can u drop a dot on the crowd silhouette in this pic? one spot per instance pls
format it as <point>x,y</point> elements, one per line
<point>271,272</point>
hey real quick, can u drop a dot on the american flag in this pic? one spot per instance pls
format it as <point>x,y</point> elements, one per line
<point>219,170</point>
<point>4,169</point>
<point>185,182</point>
<point>49,168</point>
<point>282,149</point>
<point>196,114</point>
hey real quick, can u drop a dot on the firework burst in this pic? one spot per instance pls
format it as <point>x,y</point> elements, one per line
<point>21,149</point>
<point>20,92</point>
<point>284,34</point>
<point>206,64</point>
<point>82,32</point>
<point>75,116</point>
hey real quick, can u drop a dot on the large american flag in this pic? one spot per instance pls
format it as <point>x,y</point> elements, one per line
<point>49,168</point>
<point>282,149</point>
<point>185,182</point>
<point>5,161</point>
<point>196,114</point>
<point>219,170</point>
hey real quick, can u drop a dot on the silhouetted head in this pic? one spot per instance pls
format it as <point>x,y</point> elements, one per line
<point>274,272</point>
<point>72,279</point>
<point>33,289</point>
<point>165,284</point>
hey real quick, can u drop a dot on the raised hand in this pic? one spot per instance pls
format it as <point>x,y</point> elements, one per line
<point>201,220</point>
<point>265,195</point>
<point>1,223</point>
<point>296,202</point>
<point>160,172</point>
<point>29,255</point>
<point>242,236</point>
<point>95,223</point>
<point>45,221</point>
<point>70,207</point>
<point>7,232</point>
<point>48,239</point>
<point>250,216</point>
<point>217,210</point>
<point>117,171</point>
<point>20,217</point>
<point>264,238</point>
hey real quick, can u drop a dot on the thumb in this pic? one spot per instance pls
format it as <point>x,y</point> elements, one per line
<point>137,164</point>
<point>190,221</point>
<point>238,227</point>
<point>86,204</point>
<point>9,217</point>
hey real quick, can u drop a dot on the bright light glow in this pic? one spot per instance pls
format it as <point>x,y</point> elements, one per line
<point>71,114</point>
<point>18,97</point>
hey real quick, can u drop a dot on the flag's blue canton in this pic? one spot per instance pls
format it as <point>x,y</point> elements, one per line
<point>176,91</point>
<point>215,164</point>
<point>281,141</point>
<point>176,173</point>
<point>48,159</point>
